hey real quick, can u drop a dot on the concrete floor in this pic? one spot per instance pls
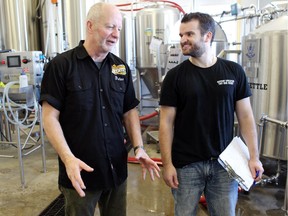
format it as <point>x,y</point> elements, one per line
<point>144,197</point>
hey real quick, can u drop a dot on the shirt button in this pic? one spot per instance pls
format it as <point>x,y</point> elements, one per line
<point>101,90</point>
<point>105,124</point>
<point>103,107</point>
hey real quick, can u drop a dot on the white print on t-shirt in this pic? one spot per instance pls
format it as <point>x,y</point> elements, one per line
<point>225,82</point>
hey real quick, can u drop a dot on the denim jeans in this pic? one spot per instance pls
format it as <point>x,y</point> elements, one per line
<point>111,202</point>
<point>221,192</point>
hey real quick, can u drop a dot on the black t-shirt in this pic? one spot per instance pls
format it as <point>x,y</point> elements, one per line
<point>205,99</point>
<point>91,102</point>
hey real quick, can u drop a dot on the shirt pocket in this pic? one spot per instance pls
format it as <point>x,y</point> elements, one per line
<point>80,96</point>
<point>118,89</point>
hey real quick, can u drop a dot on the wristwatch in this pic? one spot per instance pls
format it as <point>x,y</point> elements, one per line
<point>137,147</point>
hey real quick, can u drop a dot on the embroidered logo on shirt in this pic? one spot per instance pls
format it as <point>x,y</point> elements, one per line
<point>119,69</point>
<point>225,82</point>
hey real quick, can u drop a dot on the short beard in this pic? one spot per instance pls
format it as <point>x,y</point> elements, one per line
<point>197,51</point>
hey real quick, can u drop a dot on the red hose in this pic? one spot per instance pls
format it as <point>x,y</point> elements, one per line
<point>203,200</point>
<point>148,116</point>
<point>170,2</point>
<point>176,5</point>
<point>138,9</point>
<point>126,4</point>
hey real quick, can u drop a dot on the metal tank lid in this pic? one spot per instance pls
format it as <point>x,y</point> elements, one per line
<point>278,24</point>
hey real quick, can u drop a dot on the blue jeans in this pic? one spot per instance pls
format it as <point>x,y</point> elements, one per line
<point>221,192</point>
<point>111,202</point>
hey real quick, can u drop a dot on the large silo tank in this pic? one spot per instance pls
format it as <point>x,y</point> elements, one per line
<point>19,25</point>
<point>264,57</point>
<point>122,40</point>
<point>63,25</point>
<point>74,22</point>
<point>1,26</point>
<point>2,47</point>
<point>153,21</point>
<point>126,42</point>
<point>220,41</point>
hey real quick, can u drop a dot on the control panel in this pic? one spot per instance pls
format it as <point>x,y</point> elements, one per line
<point>12,64</point>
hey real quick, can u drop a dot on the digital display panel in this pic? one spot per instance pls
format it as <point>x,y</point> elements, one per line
<point>13,61</point>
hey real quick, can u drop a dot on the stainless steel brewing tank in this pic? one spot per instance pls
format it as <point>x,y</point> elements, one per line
<point>2,47</point>
<point>153,21</point>
<point>19,25</point>
<point>126,41</point>
<point>264,57</point>
<point>74,21</point>
<point>220,41</point>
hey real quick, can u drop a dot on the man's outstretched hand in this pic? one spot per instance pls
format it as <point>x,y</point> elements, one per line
<point>147,164</point>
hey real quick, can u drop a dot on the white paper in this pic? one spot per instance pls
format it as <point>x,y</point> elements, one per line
<point>155,45</point>
<point>236,155</point>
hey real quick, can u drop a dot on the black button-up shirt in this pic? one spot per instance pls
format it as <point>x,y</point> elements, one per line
<point>91,102</point>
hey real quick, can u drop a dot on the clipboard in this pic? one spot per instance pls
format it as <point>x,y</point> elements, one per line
<point>234,160</point>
